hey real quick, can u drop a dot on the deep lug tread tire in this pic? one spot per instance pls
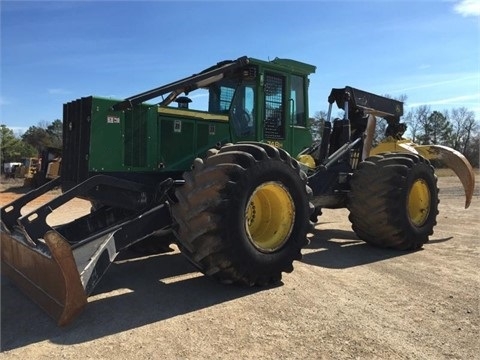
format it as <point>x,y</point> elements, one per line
<point>378,201</point>
<point>210,213</point>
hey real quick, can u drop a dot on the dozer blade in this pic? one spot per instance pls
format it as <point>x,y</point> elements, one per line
<point>58,267</point>
<point>46,273</point>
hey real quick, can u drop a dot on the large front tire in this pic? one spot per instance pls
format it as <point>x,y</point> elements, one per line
<point>243,214</point>
<point>393,201</point>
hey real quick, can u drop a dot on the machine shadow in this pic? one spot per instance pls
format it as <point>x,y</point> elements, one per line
<point>137,291</point>
<point>150,289</point>
<point>341,249</point>
<point>17,189</point>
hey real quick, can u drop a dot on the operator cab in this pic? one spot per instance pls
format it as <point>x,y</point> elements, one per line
<point>241,100</point>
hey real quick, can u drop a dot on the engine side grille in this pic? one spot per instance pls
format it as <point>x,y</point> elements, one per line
<point>76,140</point>
<point>135,139</point>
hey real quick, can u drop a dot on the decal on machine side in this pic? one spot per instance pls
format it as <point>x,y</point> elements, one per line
<point>177,126</point>
<point>277,144</point>
<point>113,119</point>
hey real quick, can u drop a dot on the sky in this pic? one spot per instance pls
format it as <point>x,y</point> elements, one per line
<point>53,52</point>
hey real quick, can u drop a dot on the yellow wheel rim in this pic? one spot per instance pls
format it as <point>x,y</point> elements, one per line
<point>419,202</point>
<point>269,216</point>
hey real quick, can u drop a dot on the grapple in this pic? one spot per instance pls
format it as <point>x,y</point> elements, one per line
<point>449,157</point>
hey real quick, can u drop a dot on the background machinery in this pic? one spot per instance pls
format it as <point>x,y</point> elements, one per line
<point>238,184</point>
<point>38,171</point>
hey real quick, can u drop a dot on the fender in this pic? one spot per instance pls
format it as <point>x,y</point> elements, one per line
<point>446,155</point>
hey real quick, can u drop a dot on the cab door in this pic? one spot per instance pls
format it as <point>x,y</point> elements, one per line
<point>299,133</point>
<point>243,112</point>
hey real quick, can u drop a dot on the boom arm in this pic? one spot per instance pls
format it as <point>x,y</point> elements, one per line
<point>186,85</point>
<point>376,105</point>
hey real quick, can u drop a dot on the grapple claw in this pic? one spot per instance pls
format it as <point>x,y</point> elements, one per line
<point>451,158</point>
<point>455,161</point>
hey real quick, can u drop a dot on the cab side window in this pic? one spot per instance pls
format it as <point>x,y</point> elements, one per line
<point>297,100</point>
<point>220,98</point>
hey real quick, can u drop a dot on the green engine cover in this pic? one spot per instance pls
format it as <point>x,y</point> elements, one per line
<point>149,138</point>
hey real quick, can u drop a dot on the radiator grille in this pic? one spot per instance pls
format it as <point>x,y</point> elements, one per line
<point>76,139</point>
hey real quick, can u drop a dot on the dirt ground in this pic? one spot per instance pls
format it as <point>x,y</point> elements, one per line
<point>344,300</point>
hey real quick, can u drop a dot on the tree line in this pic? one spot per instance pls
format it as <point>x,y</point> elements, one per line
<point>456,128</point>
<point>45,135</point>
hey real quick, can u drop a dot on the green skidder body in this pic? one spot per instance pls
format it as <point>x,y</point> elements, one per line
<point>250,100</point>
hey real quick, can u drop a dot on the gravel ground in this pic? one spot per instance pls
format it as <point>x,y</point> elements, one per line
<point>344,300</point>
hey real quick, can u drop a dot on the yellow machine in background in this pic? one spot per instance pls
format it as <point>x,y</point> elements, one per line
<point>38,170</point>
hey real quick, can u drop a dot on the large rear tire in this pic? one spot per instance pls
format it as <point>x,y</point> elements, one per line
<point>243,214</point>
<point>393,201</point>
